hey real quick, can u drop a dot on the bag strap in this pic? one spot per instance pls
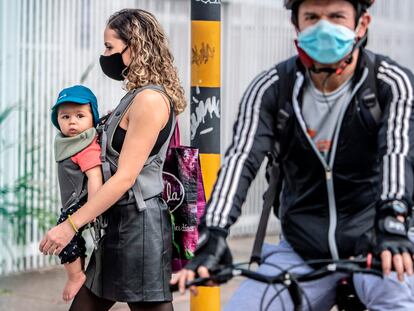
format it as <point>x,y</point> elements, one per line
<point>271,197</point>
<point>175,138</point>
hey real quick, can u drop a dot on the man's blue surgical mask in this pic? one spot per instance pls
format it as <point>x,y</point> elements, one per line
<point>326,43</point>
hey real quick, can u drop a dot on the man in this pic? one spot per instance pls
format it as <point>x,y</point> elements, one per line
<point>343,120</point>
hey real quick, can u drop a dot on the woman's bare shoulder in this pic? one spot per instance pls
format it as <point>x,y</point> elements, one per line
<point>149,103</point>
<point>150,97</point>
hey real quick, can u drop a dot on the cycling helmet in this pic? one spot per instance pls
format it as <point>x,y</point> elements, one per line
<point>360,6</point>
<point>365,3</point>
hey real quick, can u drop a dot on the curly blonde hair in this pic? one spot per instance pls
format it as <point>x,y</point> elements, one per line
<point>151,58</point>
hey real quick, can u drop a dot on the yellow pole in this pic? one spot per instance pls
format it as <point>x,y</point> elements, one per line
<point>205,111</point>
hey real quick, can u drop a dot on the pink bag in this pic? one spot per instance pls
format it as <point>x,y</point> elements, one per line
<point>184,194</point>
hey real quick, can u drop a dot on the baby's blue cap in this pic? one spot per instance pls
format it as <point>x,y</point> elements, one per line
<point>78,94</point>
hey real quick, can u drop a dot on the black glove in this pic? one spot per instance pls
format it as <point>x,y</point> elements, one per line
<point>212,251</point>
<point>391,233</point>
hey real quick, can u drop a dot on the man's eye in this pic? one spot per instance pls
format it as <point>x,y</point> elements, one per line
<point>338,16</point>
<point>310,18</point>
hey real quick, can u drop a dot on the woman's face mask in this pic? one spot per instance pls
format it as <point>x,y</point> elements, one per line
<point>113,65</point>
<point>327,43</point>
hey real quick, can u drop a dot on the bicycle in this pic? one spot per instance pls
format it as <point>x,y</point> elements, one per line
<point>291,281</point>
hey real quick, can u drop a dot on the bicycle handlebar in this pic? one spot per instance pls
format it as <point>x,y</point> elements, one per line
<point>366,264</point>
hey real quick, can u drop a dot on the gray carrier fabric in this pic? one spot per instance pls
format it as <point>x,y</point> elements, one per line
<point>149,182</point>
<point>72,182</point>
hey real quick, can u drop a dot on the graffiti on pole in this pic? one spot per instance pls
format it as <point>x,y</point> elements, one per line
<point>203,54</point>
<point>205,117</point>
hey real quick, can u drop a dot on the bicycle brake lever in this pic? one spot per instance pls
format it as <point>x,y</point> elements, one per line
<point>294,291</point>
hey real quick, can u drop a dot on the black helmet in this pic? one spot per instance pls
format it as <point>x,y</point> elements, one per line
<point>360,6</point>
<point>365,3</point>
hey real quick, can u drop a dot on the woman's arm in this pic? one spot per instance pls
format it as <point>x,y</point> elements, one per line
<point>145,119</point>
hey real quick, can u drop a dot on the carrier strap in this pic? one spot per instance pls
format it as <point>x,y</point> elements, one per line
<point>106,168</point>
<point>114,120</point>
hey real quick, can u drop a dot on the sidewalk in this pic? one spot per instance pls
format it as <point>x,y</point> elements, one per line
<point>41,290</point>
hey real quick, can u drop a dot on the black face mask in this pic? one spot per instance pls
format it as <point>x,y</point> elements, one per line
<point>113,65</point>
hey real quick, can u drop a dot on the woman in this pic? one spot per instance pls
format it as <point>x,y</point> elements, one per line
<point>132,263</point>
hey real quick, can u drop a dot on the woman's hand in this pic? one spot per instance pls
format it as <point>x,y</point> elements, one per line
<point>56,239</point>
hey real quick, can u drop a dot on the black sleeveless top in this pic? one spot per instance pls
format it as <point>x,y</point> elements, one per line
<point>119,136</point>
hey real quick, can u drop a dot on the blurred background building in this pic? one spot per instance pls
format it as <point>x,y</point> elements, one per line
<point>46,45</point>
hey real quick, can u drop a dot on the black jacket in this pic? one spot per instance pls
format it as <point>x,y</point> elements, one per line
<point>325,208</point>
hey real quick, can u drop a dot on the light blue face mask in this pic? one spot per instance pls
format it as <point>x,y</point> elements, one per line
<point>326,43</point>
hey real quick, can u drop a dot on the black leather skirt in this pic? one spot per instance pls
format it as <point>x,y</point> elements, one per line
<point>133,260</point>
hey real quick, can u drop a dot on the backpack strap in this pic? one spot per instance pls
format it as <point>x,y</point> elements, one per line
<point>274,172</point>
<point>271,193</point>
<point>368,94</point>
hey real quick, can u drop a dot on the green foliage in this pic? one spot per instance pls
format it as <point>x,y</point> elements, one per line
<point>18,210</point>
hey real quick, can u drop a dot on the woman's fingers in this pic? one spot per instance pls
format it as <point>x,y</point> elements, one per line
<point>52,249</point>
<point>59,236</point>
<point>43,243</point>
<point>46,247</point>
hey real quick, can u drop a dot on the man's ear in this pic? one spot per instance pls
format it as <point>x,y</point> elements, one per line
<point>364,22</point>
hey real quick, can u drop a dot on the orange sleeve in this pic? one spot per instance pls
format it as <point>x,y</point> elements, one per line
<point>89,157</point>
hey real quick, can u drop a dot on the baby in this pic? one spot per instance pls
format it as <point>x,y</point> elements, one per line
<point>77,152</point>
